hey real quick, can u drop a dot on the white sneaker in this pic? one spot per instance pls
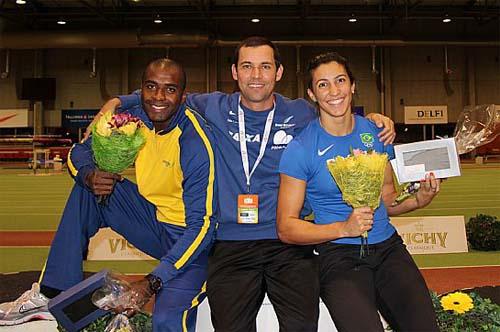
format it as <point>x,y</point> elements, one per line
<point>31,305</point>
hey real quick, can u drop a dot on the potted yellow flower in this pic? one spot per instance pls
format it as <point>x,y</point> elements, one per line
<point>462,312</point>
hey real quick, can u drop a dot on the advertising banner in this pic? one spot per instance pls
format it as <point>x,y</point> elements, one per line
<point>426,114</point>
<point>77,118</point>
<point>422,235</point>
<point>107,245</point>
<point>432,235</point>
<point>14,118</point>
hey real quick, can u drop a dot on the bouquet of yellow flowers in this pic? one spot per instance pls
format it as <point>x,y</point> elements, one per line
<point>116,141</point>
<point>360,177</point>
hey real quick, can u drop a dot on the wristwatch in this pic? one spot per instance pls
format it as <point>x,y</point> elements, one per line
<point>155,283</point>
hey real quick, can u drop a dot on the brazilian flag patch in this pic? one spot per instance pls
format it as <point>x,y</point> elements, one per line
<point>367,139</point>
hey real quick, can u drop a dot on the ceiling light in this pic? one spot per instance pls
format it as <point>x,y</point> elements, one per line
<point>446,19</point>
<point>255,20</point>
<point>353,19</point>
<point>21,2</point>
<point>61,21</point>
<point>157,19</point>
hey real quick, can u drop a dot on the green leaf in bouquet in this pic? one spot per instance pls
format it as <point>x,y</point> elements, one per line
<point>141,322</point>
<point>118,151</point>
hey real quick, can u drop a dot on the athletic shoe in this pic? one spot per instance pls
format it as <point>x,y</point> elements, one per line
<point>31,305</point>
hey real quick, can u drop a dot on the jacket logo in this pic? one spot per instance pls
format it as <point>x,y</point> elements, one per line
<point>286,123</point>
<point>249,138</point>
<point>281,138</point>
<point>325,150</point>
<point>167,163</point>
<point>367,139</point>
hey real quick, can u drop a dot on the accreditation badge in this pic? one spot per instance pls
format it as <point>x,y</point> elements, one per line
<point>248,209</point>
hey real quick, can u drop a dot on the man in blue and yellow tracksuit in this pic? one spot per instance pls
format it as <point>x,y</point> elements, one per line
<point>168,214</point>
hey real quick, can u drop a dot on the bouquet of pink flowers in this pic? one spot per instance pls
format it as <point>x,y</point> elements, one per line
<point>116,141</point>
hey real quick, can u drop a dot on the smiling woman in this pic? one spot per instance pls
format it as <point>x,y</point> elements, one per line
<point>332,89</point>
<point>349,281</point>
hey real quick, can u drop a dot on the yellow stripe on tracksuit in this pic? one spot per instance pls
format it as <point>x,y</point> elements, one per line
<point>71,167</point>
<point>42,273</point>
<point>194,303</point>
<point>208,203</point>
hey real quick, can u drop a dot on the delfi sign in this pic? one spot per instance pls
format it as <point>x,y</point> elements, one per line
<point>426,114</point>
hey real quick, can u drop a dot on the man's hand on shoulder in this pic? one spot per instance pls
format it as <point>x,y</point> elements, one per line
<point>102,183</point>
<point>388,133</point>
<point>110,106</point>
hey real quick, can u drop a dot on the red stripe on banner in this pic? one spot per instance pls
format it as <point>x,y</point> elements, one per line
<point>7,117</point>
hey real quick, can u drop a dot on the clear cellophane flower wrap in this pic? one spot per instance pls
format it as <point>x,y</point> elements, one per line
<point>360,177</point>
<point>119,323</point>
<point>476,126</point>
<point>116,294</point>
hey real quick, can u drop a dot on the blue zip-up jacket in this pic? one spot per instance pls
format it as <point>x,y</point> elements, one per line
<point>175,171</point>
<point>221,112</point>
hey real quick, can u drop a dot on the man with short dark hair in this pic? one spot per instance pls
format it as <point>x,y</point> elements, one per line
<point>168,214</point>
<point>251,129</point>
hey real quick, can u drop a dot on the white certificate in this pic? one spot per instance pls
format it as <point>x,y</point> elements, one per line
<point>415,160</point>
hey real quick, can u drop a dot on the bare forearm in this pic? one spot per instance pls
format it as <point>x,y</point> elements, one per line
<point>292,229</point>
<point>298,231</point>
<point>407,205</point>
<point>429,188</point>
<point>109,106</point>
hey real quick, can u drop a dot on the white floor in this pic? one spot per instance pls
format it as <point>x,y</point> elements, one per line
<point>266,321</point>
<point>36,326</point>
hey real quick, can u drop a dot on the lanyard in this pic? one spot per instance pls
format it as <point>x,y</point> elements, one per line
<point>243,142</point>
